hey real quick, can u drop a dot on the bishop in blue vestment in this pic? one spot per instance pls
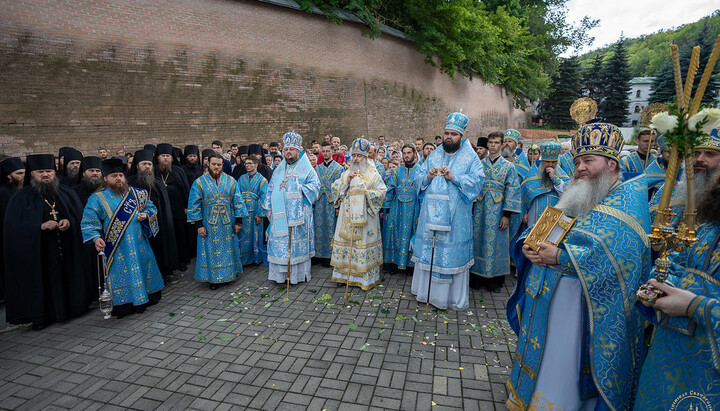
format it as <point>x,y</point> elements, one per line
<point>293,189</point>
<point>511,139</point>
<point>448,181</point>
<point>216,207</point>
<point>579,338</point>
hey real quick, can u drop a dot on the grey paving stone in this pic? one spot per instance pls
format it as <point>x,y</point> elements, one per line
<point>299,354</point>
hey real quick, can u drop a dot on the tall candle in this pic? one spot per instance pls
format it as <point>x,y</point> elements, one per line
<point>675,55</point>
<point>692,70</point>
<point>709,67</point>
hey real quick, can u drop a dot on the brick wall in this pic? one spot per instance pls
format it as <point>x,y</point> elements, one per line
<point>119,74</point>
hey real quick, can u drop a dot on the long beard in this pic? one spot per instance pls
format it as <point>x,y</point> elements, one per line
<point>452,147</point>
<point>582,195</point>
<point>121,188</point>
<point>46,190</point>
<point>708,205</point>
<point>703,179</point>
<point>146,180</point>
<point>359,168</point>
<point>214,175</point>
<point>546,180</point>
<point>91,184</point>
<point>72,173</point>
<point>15,185</point>
<point>165,167</point>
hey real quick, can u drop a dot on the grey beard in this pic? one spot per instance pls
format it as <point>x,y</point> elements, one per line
<point>72,173</point>
<point>702,181</point>
<point>46,190</point>
<point>507,153</point>
<point>360,168</point>
<point>91,184</point>
<point>146,180</point>
<point>581,196</point>
<point>546,180</point>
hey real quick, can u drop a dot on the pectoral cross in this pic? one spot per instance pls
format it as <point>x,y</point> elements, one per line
<point>53,213</point>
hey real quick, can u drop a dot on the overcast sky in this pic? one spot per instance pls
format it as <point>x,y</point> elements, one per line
<point>634,18</point>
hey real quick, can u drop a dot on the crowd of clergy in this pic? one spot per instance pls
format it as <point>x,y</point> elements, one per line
<point>452,213</point>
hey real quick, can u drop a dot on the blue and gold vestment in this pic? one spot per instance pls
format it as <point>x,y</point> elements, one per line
<point>500,193</point>
<point>324,212</point>
<point>216,203</point>
<point>684,358</point>
<point>132,271</point>
<point>634,163</point>
<point>404,209</point>
<point>607,255</point>
<point>655,175</point>
<point>253,189</point>
<point>567,164</point>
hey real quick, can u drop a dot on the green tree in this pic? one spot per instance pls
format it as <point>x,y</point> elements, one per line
<point>613,108</point>
<point>510,42</point>
<point>663,88</point>
<point>566,87</point>
<point>592,82</point>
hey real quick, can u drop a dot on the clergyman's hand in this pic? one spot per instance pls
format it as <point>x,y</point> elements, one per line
<point>447,173</point>
<point>526,218</point>
<point>49,225</point>
<point>258,219</point>
<point>238,227</point>
<point>99,245</point>
<point>550,172</point>
<point>64,224</point>
<point>675,302</point>
<point>142,216</point>
<point>504,223</point>
<point>202,232</point>
<point>351,176</point>
<point>548,253</point>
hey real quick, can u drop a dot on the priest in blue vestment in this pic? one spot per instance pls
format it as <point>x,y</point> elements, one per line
<point>448,182</point>
<point>119,220</point>
<point>497,202</point>
<point>566,159</point>
<point>216,207</point>
<point>579,338</point>
<point>639,160</point>
<point>682,368</point>
<point>511,139</point>
<point>293,189</point>
<point>325,213</point>
<point>253,187</point>
<point>544,185</point>
<point>401,212</point>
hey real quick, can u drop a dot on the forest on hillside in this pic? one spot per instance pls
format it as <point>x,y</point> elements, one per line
<point>646,54</point>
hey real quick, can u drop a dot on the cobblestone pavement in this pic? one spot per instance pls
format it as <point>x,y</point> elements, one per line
<point>244,347</point>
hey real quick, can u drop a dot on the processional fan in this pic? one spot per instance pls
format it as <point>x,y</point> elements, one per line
<point>665,237</point>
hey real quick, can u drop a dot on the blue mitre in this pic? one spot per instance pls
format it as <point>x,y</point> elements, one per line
<point>601,139</point>
<point>457,122</point>
<point>292,140</point>
<point>550,150</point>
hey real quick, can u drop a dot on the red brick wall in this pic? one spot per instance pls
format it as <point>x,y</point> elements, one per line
<point>119,74</point>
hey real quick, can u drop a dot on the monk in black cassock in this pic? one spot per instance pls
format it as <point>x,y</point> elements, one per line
<point>263,169</point>
<point>191,164</point>
<point>173,178</point>
<point>71,167</point>
<point>46,276</point>
<point>163,244</point>
<point>12,178</point>
<point>239,168</point>
<point>90,178</point>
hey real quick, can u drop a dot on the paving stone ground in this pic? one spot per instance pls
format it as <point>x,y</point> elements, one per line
<point>244,347</point>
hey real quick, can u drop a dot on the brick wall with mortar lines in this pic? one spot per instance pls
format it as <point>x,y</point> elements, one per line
<point>121,74</point>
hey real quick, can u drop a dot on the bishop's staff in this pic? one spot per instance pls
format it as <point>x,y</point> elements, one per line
<point>432,260</point>
<point>287,287</point>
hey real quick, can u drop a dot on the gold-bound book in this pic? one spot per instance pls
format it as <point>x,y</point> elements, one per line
<point>550,228</point>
